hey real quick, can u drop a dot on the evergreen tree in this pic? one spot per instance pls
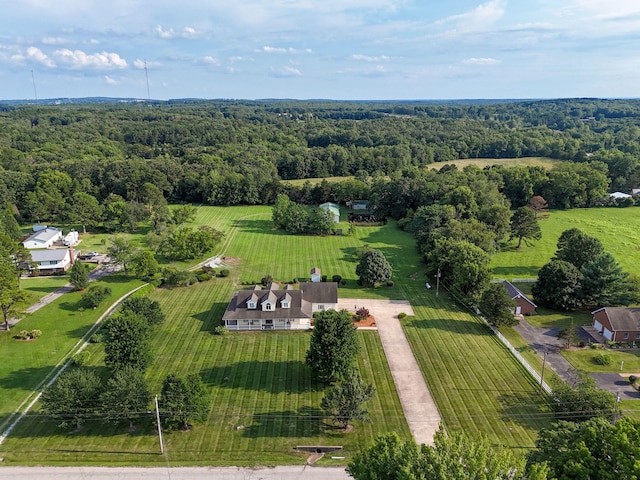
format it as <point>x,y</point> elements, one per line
<point>373,268</point>
<point>345,401</point>
<point>524,225</point>
<point>79,275</point>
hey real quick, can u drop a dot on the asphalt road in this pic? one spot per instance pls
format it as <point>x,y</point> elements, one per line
<point>174,473</point>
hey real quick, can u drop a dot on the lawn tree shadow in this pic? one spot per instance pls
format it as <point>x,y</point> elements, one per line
<point>292,376</point>
<point>16,378</point>
<point>305,422</point>
<point>524,408</point>
<point>515,272</point>
<point>263,227</point>
<point>211,318</point>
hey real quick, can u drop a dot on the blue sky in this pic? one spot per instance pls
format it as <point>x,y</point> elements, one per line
<point>338,49</point>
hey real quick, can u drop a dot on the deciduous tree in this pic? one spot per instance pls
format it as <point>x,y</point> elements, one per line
<point>559,285</point>
<point>120,252</point>
<point>578,248</point>
<point>127,342</point>
<point>334,344</point>
<point>146,308</point>
<point>95,295</point>
<point>524,225</point>
<point>126,396</point>
<point>10,293</point>
<point>182,401</point>
<point>73,397</point>
<point>143,263</point>
<point>497,306</point>
<point>580,399</point>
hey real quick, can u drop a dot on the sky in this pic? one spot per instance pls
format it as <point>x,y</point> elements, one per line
<point>319,49</point>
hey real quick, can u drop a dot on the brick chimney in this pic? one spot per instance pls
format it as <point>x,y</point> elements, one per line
<point>72,254</point>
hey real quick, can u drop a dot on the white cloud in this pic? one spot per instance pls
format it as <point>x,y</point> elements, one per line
<point>141,64</point>
<point>33,54</point>
<point>481,61</point>
<point>209,60</point>
<point>268,49</point>
<point>77,59</point>
<point>54,41</point>
<point>479,18</point>
<point>368,58</point>
<point>186,32</point>
<point>285,72</point>
<point>93,41</point>
<point>110,80</point>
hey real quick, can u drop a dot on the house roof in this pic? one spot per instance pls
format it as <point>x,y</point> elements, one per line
<point>44,235</point>
<point>320,292</point>
<point>57,254</point>
<point>625,319</point>
<point>514,292</point>
<point>300,301</point>
<point>332,207</point>
<point>619,195</point>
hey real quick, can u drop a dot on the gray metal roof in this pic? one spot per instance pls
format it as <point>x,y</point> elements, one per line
<point>44,235</point>
<point>56,254</point>
<point>623,319</point>
<point>514,292</point>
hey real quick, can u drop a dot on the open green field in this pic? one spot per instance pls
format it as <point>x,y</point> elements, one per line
<point>477,384</point>
<point>63,323</point>
<point>265,401</point>
<point>617,228</point>
<point>37,287</point>
<point>258,380</point>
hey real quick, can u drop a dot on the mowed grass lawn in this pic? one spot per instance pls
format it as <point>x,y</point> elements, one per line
<point>63,323</point>
<point>617,228</point>
<point>478,386</point>
<point>264,398</point>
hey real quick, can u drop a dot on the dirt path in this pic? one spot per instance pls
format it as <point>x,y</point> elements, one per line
<point>419,408</point>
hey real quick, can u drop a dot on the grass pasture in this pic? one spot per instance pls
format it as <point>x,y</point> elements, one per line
<point>258,382</point>
<point>616,228</point>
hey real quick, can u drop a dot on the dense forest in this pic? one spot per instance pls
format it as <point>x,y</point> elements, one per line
<point>59,160</point>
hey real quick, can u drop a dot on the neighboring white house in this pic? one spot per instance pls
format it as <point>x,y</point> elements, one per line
<point>56,260</point>
<point>44,238</point>
<point>333,209</point>
<point>275,308</point>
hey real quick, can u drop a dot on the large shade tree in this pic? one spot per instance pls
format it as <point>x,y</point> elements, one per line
<point>558,286</point>
<point>524,225</point>
<point>182,401</point>
<point>334,345</point>
<point>345,401</point>
<point>373,268</point>
<point>497,306</point>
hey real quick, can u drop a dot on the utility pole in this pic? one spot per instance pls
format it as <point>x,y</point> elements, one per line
<point>544,361</point>
<point>438,282</point>
<point>35,92</point>
<point>159,426</point>
<point>146,74</point>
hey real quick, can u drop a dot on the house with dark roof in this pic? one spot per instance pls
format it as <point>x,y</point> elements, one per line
<point>523,306</point>
<point>275,308</point>
<point>618,324</point>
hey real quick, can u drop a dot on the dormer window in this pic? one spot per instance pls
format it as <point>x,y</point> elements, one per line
<point>285,304</point>
<point>251,304</point>
<point>268,306</point>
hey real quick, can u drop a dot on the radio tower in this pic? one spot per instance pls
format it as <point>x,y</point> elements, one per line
<point>35,92</point>
<point>146,73</point>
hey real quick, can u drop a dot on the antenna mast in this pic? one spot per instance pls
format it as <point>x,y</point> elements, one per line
<point>146,73</point>
<point>33,79</point>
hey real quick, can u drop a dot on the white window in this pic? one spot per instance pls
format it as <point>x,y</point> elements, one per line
<point>320,307</point>
<point>251,304</point>
<point>637,336</point>
<point>255,322</point>
<point>246,322</point>
<point>268,306</point>
<point>232,322</point>
<point>282,321</point>
<point>626,336</point>
<point>285,304</point>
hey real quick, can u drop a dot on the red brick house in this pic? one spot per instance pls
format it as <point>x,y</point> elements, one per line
<point>523,306</point>
<point>617,324</point>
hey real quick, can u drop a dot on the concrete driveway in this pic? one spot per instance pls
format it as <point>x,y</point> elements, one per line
<point>419,408</point>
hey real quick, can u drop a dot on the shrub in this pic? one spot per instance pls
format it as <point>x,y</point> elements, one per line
<point>79,359</point>
<point>96,338</point>
<point>402,315</point>
<point>633,380</point>
<point>28,334</point>
<point>220,330</point>
<point>95,294</point>
<point>390,283</point>
<point>203,277</point>
<point>602,359</point>
<point>22,335</point>
<point>336,278</point>
<point>224,272</point>
<point>343,283</point>
<point>180,278</point>
<point>294,281</point>
<point>323,278</point>
<point>362,313</point>
<point>35,333</point>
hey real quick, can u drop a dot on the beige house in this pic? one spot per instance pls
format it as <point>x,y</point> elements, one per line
<point>275,308</point>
